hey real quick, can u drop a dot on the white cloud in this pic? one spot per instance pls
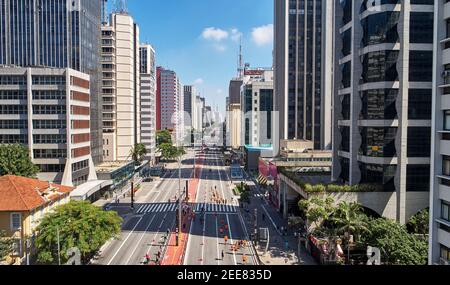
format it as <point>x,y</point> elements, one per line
<point>235,35</point>
<point>263,35</point>
<point>220,47</point>
<point>198,81</point>
<point>214,34</point>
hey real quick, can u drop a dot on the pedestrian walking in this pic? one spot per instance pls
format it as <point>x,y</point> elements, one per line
<point>223,255</point>
<point>263,217</point>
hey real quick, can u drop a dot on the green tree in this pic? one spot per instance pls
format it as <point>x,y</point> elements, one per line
<point>349,220</point>
<point>80,225</point>
<point>163,137</point>
<point>15,160</point>
<point>169,151</point>
<point>138,152</point>
<point>6,244</point>
<point>398,247</point>
<point>317,209</point>
<point>420,223</point>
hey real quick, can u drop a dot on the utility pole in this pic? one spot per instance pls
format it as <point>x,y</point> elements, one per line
<point>132,195</point>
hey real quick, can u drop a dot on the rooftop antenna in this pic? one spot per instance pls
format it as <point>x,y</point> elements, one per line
<point>121,7</point>
<point>104,15</point>
<point>241,60</point>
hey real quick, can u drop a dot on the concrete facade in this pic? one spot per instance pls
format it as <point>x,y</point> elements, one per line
<point>257,107</point>
<point>48,110</point>
<point>382,95</point>
<point>439,252</point>
<point>148,100</point>
<point>121,87</point>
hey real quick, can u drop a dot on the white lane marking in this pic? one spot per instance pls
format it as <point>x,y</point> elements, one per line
<point>188,247</point>
<point>154,236</point>
<point>247,237</point>
<point>140,219</point>
<point>115,254</point>
<point>142,236</point>
<point>152,207</point>
<point>140,209</point>
<point>147,208</point>
<point>218,242</point>
<point>231,238</point>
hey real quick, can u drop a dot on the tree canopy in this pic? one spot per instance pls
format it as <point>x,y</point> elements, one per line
<point>169,151</point>
<point>81,225</point>
<point>138,152</point>
<point>398,247</point>
<point>5,245</point>
<point>15,160</point>
<point>163,137</point>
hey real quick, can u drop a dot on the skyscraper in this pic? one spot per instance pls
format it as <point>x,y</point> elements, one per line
<point>189,102</point>
<point>148,99</point>
<point>169,93</point>
<point>121,87</point>
<point>382,99</point>
<point>56,33</point>
<point>439,252</point>
<point>256,107</point>
<point>303,68</point>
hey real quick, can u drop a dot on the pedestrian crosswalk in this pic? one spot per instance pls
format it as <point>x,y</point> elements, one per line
<point>215,208</point>
<point>156,208</point>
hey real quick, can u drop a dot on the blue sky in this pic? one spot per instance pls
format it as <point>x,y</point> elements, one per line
<point>199,38</point>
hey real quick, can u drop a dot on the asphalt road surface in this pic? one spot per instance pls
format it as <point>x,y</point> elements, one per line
<point>145,230</point>
<point>215,220</point>
<point>154,215</point>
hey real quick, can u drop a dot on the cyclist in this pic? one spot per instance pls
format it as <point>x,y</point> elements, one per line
<point>244,259</point>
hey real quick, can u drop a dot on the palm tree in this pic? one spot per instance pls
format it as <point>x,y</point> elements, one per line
<point>138,152</point>
<point>349,220</point>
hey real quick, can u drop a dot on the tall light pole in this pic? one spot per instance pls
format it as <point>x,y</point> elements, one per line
<point>179,178</point>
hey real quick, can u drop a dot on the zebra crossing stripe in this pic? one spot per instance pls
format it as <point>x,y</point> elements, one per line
<point>144,210</point>
<point>140,209</point>
<point>150,208</point>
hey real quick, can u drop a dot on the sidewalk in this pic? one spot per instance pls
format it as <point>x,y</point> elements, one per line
<point>282,250</point>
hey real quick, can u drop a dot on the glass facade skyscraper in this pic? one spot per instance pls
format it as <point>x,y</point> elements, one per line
<point>302,64</point>
<point>60,34</point>
<point>383,98</point>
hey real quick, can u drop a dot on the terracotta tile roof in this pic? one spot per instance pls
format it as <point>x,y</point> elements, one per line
<point>25,194</point>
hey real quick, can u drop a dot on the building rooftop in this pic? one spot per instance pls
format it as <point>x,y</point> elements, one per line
<point>25,194</point>
<point>111,166</point>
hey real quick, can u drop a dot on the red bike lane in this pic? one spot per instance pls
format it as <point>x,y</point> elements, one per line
<point>175,254</point>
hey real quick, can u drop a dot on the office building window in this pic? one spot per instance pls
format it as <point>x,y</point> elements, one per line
<point>445,211</point>
<point>446,165</point>
<point>445,253</point>
<point>418,178</point>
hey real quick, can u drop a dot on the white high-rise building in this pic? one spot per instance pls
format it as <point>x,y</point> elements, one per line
<point>439,252</point>
<point>148,100</point>
<point>121,87</point>
<point>257,107</point>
